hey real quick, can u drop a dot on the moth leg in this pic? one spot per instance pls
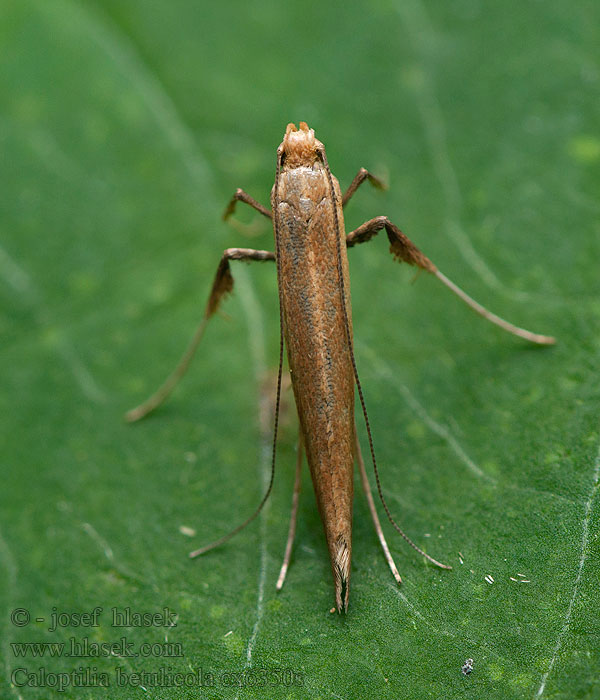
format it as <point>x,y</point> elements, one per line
<point>404,250</point>
<point>359,178</point>
<point>241,196</point>
<point>293,517</point>
<point>222,285</point>
<point>374,516</point>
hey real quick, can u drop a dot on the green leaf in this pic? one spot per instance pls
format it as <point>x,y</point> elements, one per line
<point>125,128</point>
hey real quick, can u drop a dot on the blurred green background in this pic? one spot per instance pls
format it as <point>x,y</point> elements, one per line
<point>125,127</point>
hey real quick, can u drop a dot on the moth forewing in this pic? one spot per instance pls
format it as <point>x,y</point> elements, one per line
<point>308,243</point>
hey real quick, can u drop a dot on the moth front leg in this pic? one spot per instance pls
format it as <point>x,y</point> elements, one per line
<point>404,250</point>
<point>359,178</point>
<point>222,285</point>
<point>240,196</point>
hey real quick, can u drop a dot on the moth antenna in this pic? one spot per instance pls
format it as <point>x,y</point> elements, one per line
<point>227,537</point>
<point>357,380</point>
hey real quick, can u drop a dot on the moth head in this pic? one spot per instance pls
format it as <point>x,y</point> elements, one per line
<point>299,146</point>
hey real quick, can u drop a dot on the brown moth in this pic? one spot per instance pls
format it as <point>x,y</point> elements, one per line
<point>316,328</point>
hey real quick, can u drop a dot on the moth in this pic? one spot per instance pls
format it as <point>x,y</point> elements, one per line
<point>307,211</point>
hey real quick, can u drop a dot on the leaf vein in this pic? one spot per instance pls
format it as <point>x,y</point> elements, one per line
<point>585,531</point>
